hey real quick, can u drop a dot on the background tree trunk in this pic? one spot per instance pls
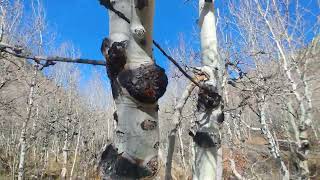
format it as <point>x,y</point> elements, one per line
<point>273,147</point>
<point>206,130</point>
<point>23,138</point>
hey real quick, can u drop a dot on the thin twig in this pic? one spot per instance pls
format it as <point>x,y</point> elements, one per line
<point>177,65</point>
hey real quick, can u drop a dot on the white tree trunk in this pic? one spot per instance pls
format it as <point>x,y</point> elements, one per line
<point>172,136</point>
<point>75,154</point>
<point>137,83</point>
<point>305,124</point>
<point>23,138</point>
<point>311,52</point>
<point>206,131</point>
<point>273,147</point>
<point>65,150</point>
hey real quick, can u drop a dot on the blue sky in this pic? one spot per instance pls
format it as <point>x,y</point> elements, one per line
<point>85,24</point>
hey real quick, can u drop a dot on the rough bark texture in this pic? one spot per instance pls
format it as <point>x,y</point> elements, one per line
<point>137,84</point>
<point>205,133</point>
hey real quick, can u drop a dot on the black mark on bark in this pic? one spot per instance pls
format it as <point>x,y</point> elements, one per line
<point>153,166</point>
<point>205,139</point>
<point>107,3</point>
<point>148,125</point>
<point>104,47</point>
<point>107,160</point>
<point>208,98</point>
<point>116,58</point>
<point>140,4</point>
<point>220,118</point>
<point>115,88</point>
<point>115,117</point>
<point>128,168</point>
<point>156,145</point>
<point>115,166</point>
<point>119,132</point>
<point>143,42</point>
<point>146,84</point>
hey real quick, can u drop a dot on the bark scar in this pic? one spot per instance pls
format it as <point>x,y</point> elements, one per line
<point>140,4</point>
<point>208,98</point>
<point>146,84</point>
<point>149,125</point>
<point>205,139</point>
<point>115,165</point>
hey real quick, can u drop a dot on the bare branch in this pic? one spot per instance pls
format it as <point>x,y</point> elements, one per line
<point>19,52</point>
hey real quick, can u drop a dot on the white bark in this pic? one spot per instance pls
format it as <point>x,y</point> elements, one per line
<point>23,138</point>
<point>135,142</point>
<point>274,150</point>
<point>137,134</point>
<point>205,160</point>
<point>181,148</point>
<point>311,53</point>
<point>75,154</point>
<point>293,122</point>
<point>65,150</point>
<point>305,124</point>
<point>119,28</point>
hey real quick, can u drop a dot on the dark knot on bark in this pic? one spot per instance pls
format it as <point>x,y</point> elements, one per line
<point>146,84</point>
<point>116,57</point>
<point>206,139</point>
<point>208,98</point>
<point>115,165</point>
<point>140,4</point>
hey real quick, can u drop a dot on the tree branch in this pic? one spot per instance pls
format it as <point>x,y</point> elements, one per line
<point>19,52</point>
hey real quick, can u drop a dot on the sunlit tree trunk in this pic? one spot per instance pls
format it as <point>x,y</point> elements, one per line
<point>137,84</point>
<point>205,133</point>
<point>65,150</point>
<point>273,147</point>
<point>23,138</point>
<point>304,124</point>
<point>75,154</point>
